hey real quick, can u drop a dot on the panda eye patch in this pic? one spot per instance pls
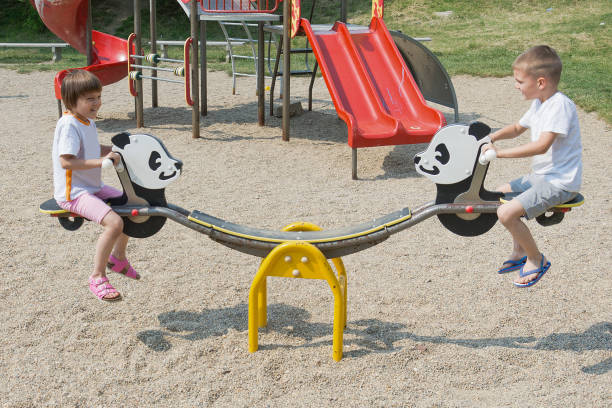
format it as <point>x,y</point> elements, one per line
<point>442,154</point>
<point>154,160</point>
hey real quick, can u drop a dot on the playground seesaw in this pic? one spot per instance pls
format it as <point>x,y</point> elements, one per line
<point>301,250</point>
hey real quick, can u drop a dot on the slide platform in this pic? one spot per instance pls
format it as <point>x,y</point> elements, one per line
<point>372,88</point>
<point>68,20</point>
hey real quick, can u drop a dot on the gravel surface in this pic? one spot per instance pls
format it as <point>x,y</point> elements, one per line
<point>430,322</point>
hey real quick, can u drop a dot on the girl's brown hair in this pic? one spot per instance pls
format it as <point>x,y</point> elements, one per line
<point>77,83</point>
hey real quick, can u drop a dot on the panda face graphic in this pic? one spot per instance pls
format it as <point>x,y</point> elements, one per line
<point>148,162</point>
<point>451,155</point>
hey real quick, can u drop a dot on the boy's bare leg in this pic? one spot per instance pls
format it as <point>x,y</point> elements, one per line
<point>509,215</point>
<point>517,251</point>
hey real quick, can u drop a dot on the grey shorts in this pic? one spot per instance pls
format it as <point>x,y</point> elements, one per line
<point>537,195</point>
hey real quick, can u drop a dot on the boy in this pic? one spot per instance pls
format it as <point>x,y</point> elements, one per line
<point>557,158</point>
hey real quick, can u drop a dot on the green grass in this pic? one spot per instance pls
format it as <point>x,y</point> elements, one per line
<point>483,38</point>
<point>480,38</point>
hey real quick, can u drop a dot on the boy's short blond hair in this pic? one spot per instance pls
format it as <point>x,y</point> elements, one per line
<point>540,61</point>
<point>77,83</point>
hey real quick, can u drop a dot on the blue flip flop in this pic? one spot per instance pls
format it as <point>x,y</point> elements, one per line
<point>540,272</point>
<point>513,265</point>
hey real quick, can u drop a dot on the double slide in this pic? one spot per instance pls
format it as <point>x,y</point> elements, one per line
<point>371,86</point>
<point>68,20</point>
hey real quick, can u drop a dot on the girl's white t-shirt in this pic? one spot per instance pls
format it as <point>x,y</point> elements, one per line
<point>561,165</point>
<point>80,139</point>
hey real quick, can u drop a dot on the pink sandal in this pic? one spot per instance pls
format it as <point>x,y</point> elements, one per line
<point>101,287</point>
<point>122,267</point>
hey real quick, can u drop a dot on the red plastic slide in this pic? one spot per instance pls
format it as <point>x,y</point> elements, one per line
<point>68,20</point>
<point>371,86</point>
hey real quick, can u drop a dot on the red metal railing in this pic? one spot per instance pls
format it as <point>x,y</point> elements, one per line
<point>239,6</point>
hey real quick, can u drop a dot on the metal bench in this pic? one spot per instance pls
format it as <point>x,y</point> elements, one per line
<point>56,48</point>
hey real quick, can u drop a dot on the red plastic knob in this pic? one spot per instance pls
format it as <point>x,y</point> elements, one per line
<point>469,209</point>
<point>134,212</point>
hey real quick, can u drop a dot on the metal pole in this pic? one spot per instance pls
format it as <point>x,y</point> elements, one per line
<point>138,100</point>
<point>343,11</point>
<point>203,70</point>
<point>195,94</point>
<point>88,36</point>
<point>153,31</point>
<point>279,50</point>
<point>261,93</point>
<point>286,67</point>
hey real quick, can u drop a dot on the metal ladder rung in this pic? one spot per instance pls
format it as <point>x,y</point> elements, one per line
<point>250,41</point>
<point>245,40</point>
<point>250,75</point>
<point>296,72</point>
<point>238,24</point>
<point>301,51</point>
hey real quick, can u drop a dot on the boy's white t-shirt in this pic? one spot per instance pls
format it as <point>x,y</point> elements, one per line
<point>561,165</point>
<point>72,136</point>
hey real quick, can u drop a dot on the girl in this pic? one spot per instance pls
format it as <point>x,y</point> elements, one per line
<point>77,162</point>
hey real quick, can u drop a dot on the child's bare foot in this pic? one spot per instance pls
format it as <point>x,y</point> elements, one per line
<point>532,271</point>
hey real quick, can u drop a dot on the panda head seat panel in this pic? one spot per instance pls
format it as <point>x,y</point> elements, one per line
<point>147,160</point>
<point>451,161</point>
<point>452,153</point>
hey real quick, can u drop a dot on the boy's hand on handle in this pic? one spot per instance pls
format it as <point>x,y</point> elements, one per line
<point>487,153</point>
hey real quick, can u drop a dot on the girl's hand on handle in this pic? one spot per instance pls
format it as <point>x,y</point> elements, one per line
<point>112,159</point>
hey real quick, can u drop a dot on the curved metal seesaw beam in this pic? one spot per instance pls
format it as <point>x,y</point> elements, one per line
<point>333,243</point>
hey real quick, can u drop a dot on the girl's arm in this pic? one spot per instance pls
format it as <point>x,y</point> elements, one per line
<point>105,149</point>
<point>70,162</point>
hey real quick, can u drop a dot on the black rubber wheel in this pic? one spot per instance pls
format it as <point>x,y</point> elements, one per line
<point>144,229</point>
<point>468,228</point>
<point>548,220</point>
<point>71,223</point>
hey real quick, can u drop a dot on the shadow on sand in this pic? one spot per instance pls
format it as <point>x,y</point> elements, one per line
<point>369,335</point>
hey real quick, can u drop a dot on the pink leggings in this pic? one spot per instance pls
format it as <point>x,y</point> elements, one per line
<point>92,206</point>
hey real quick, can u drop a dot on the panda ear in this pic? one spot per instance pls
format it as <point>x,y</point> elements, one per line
<point>121,139</point>
<point>479,130</point>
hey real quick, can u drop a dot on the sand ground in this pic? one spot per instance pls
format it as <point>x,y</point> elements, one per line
<point>430,322</point>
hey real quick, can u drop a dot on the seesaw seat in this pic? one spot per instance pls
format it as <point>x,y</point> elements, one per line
<point>556,213</point>
<point>50,207</point>
<point>574,202</point>
<point>67,219</point>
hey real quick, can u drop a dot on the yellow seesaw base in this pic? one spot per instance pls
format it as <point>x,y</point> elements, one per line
<point>298,259</point>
